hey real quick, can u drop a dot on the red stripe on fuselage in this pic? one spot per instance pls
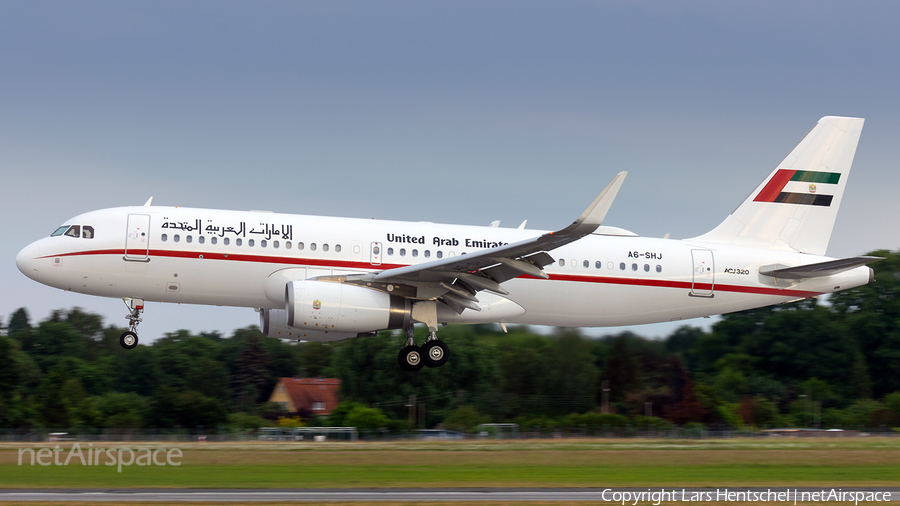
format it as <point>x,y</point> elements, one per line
<point>659,283</point>
<point>665,283</point>
<point>775,185</point>
<point>242,258</point>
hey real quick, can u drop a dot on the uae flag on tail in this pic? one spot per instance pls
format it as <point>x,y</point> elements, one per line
<point>805,187</point>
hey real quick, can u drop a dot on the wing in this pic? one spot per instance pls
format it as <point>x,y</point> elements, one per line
<point>456,280</point>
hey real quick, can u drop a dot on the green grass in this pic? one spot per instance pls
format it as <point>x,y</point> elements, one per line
<point>289,476</point>
<point>584,463</point>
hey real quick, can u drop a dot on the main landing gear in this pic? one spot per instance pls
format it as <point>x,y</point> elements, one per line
<point>129,339</point>
<point>410,357</point>
<point>433,353</point>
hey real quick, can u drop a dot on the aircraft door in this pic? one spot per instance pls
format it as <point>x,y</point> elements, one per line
<point>704,279</point>
<point>137,238</point>
<point>375,253</point>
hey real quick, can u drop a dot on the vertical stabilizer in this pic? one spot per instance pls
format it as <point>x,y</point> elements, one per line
<point>795,207</point>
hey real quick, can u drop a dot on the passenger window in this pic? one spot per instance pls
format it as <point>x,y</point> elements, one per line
<point>403,252</point>
<point>74,231</point>
<point>451,254</point>
<point>262,243</point>
<point>574,263</point>
<point>598,264</point>
<point>251,243</point>
<point>312,246</point>
<point>214,240</point>
<point>237,242</point>
<point>562,262</point>
<point>324,247</point>
<point>659,268</point>
<point>201,239</point>
<point>275,244</point>
<point>415,252</point>
<point>646,267</point>
<point>427,254</point>
<point>299,245</point>
<point>164,237</point>
<point>440,254</point>
<point>60,231</point>
<point>287,245</point>
<point>87,232</point>
<point>337,248</point>
<point>390,251</point>
<point>622,266</point>
<point>634,267</point>
<point>610,266</point>
<point>226,241</point>
<point>188,239</point>
<point>177,238</point>
<point>587,264</point>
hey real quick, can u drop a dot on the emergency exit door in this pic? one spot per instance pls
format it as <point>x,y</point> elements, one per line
<point>375,253</point>
<point>704,279</point>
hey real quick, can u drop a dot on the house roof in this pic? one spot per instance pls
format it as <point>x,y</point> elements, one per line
<point>306,391</point>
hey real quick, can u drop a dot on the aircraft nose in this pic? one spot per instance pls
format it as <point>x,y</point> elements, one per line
<point>27,259</point>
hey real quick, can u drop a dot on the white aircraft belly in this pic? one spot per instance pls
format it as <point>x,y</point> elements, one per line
<point>574,304</point>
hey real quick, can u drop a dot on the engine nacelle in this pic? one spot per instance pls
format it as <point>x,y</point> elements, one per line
<point>273,323</point>
<point>338,307</point>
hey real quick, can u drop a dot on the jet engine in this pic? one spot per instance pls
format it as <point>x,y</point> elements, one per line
<point>273,323</point>
<point>324,306</point>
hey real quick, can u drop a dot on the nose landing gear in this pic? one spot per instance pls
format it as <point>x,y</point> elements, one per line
<point>129,339</point>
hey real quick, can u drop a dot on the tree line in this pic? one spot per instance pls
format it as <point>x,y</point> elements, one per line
<point>825,363</point>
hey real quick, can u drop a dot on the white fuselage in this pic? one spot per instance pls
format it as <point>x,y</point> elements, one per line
<point>180,255</point>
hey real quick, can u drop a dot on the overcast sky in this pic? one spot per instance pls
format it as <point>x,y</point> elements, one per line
<point>457,112</point>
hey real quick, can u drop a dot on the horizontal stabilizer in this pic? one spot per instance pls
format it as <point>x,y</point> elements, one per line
<point>817,270</point>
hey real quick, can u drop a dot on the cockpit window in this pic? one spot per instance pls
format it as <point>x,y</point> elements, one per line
<point>75,231</point>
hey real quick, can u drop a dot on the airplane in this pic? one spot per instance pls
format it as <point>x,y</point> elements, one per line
<point>317,278</point>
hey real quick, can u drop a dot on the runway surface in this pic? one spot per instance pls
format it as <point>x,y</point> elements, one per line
<point>617,495</point>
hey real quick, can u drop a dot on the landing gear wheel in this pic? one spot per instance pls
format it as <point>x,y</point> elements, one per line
<point>410,358</point>
<point>128,340</point>
<point>435,353</point>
